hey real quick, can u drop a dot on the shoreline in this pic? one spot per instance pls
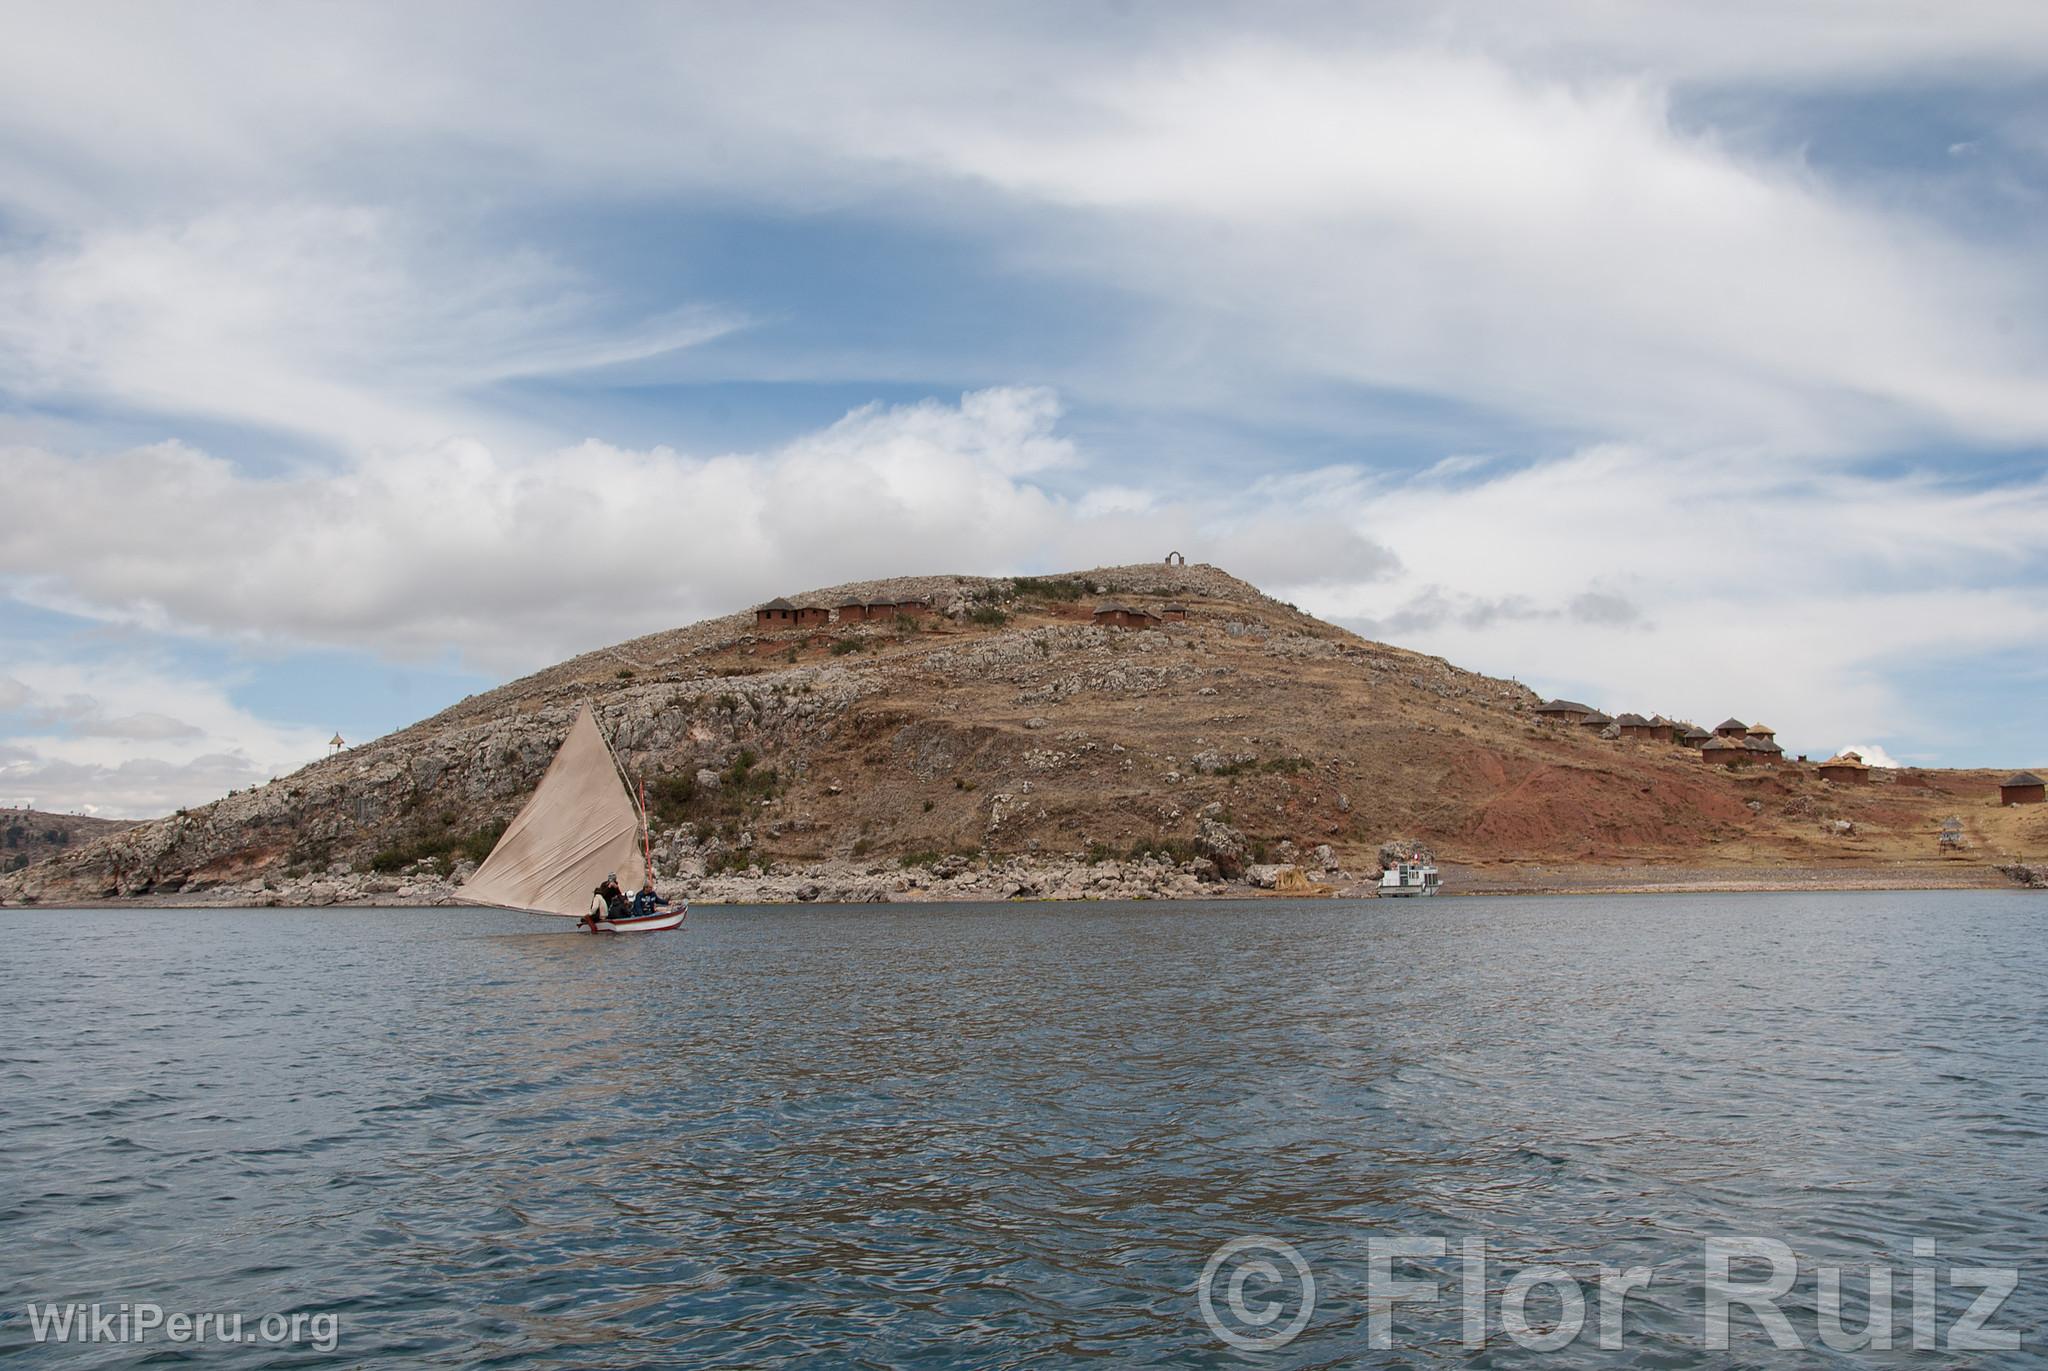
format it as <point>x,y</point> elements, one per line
<point>773,891</point>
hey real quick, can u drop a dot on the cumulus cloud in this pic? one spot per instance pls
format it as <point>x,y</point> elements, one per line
<point>515,559</point>
<point>1871,753</point>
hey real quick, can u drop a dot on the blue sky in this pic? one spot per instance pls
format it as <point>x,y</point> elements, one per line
<point>356,359</point>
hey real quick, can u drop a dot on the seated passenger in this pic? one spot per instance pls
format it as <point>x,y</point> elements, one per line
<point>646,902</point>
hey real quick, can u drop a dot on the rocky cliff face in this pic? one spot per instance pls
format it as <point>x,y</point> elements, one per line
<point>1004,747</point>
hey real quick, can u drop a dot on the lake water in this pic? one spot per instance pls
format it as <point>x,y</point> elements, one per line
<point>1006,1135</point>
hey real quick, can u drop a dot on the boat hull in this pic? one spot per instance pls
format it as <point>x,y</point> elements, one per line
<point>652,923</point>
<point>1393,892</point>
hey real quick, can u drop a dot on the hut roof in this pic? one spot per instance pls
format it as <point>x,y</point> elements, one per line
<point>1112,607</point>
<point>1763,730</point>
<point>883,604</point>
<point>1632,721</point>
<point>1846,759</point>
<point>2020,778</point>
<point>1736,724</point>
<point>778,603</point>
<point>1695,731</point>
<point>1952,824</point>
<point>1563,707</point>
<point>1175,608</point>
<point>853,604</point>
<point>1756,744</point>
<point>1594,716</point>
<point>1718,744</point>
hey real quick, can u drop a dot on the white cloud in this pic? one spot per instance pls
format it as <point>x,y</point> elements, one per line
<point>127,738</point>
<point>1871,754</point>
<point>342,322</point>
<point>1716,584</point>
<point>1492,205</point>
<point>516,559</point>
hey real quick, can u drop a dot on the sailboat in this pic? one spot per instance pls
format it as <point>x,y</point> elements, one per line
<point>581,826</point>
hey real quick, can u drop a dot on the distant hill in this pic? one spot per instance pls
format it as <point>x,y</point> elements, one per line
<point>28,836</point>
<point>1007,744</point>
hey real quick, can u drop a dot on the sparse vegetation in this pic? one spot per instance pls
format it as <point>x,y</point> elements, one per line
<point>989,616</point>
<point>1037,588</point>
<point>842,646</point>
<point>676,797</point>
<point>441,842</point>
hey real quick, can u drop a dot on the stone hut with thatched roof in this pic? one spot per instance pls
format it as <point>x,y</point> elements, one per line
<point>1719,751</point>
<point>1763,749</point>
<point>853,611</point>
<point>1689,735</point>
<point>1594,721</point>
<point>777,613</point>
<point>1116,614</point>
<point>1562,711</point>
<point>1761,731</point>
<point>1731,728</point>
<point>1173,613</point>
<point>812,616</point>
<point>1637,727</point>
<point>2020,788</point>
<point>1845,768</point>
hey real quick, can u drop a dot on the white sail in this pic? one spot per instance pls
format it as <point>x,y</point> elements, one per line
<point>579,827</point>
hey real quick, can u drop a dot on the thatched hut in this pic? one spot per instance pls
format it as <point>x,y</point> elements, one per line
<point>1114,614</point>
<point>1637,727</point>
<point>1690,735</point>
<point>1719,751</point>
<point>1845,768</point>
<point>853,612</point>
<point>1593,721</point>
<point>1562,711</point>
<point>1764,749</point>
<point>777,613</point>
<point>2020,788</point>
<point>1731,728</point>
<point>1173,614</point>
<point>812,616</point>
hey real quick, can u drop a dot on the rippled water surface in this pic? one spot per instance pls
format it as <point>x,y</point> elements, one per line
<point>1003,1135</point>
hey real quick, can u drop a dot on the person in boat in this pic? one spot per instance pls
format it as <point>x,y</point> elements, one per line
<point>647,902</point>
<point>613,897</point>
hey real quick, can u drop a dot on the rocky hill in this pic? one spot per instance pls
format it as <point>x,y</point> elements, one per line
<point>28,836</point>
<point>1008,746</point>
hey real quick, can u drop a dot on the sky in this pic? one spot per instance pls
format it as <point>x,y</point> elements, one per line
<point>1688,359</point>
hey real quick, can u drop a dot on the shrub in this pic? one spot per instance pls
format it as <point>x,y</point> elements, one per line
<point>842,646</point>
<point>436,844</point>
<point>622,674</point>
<point>1035,588</point>
<point>990,616</point>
